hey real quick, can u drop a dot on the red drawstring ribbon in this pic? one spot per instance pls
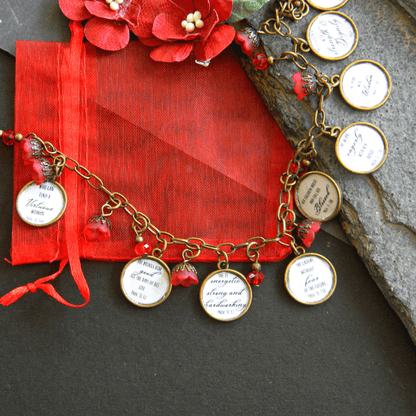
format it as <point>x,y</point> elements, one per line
<point>69,126</point>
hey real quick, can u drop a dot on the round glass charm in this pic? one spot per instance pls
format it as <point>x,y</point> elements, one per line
<point>41,205</point>
<point>317,196</point>
<point>332,35</point>
<point>145,281</point>
<point>365,85</point>
<point>310,279</point>
<point>327,4</point>
<point>361,148</point>
<point>225,295</point>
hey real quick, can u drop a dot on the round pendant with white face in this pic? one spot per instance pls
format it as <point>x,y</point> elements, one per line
<point>41,205</point>
<point>310,279</point>
<point>332,35</point>
<point>361,148</point>
<point>146,281</point>
<point>317,196</point>
<point>365,85</point>
<point>327,4</point>
<point>225,295</point>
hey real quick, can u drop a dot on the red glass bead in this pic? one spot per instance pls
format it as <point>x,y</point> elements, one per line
<point>142,248</point>
<point>255,277</point>
<point>260,61</point>
<point>8,137</point>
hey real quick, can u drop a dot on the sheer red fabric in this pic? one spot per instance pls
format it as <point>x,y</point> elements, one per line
<point>193,148</point>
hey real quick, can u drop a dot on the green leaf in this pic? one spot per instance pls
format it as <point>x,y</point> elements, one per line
<point>245,8</point>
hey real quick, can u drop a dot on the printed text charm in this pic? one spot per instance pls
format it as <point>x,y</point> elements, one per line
<point>317,196</point>
<point>41,205</point>
<point>145,281</point>
<point>225,295</point>
<point>310,279</point>
<point>361,148</point>
<point>327,4</point>
<point>365,85</point>
<point>332,36</point>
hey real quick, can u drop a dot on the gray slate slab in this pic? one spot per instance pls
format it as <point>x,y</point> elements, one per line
<point>378,212</point>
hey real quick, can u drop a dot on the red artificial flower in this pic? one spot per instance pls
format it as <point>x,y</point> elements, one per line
<point>98,228</point>
<point>31,149</point>
<point>303,84</point>
<point>41,170</point>
<point>180,27</point>
<point>307,230</point>
<point>248,39</point>
<point>109,21</point>
<point>184,274</point>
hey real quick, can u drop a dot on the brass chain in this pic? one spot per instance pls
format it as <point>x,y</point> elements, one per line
<point>295,10</point>
<point>324,84</point>
<point>303,155</point>
<point>193,246</point>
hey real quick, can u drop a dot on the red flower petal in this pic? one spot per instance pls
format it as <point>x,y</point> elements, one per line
<point>172,52</point>
<point>220,38</point>
<point>247,45</point>
<point>301,93</point>
<point>167,27</point>
<point>97,231</point>
<point>186,5</point>
<point>307,230</point>
<point>151,41</point>
<point>131,12</point>
<point>150,9</point>
<point>37,172</point>
<point>223,8</point>
<point>202,6</point>
<point>100,10</point>
<point>209,24</point>
<point>106,34</point>
<point>74,9</point>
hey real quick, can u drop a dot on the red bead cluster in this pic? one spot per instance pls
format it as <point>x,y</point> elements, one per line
<point>42,169</point>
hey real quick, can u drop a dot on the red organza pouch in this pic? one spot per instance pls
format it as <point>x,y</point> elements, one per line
<point>193,148</point>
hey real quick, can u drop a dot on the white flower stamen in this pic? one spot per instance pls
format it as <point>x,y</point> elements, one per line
<point>190,27</point>
<point>114,6</point>
<point>193,20</point>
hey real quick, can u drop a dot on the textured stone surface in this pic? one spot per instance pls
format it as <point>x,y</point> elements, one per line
<point>378,213</point>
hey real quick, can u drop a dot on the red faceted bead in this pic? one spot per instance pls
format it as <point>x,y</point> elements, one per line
<point>143,248</point>
<point>260,61</point>
<point>8,137</point>
<point>255,277</point>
